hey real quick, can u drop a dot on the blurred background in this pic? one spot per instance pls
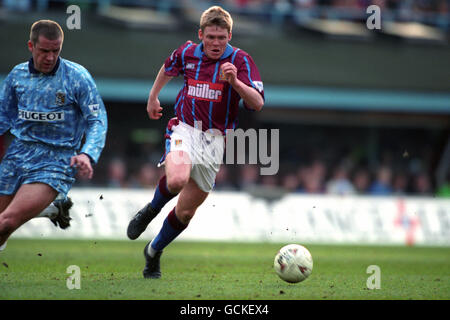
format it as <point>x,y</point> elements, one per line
<point>359,111</point>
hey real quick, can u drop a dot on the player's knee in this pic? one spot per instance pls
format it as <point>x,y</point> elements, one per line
<point>176,183</point>
<point>185,215</point>
<point>7,225</point>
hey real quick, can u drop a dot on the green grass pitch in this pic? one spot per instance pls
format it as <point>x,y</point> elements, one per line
<point>37,269</point>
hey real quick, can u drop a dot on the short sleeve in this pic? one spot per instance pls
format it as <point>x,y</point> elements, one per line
<point>248,73</point>
<point>173,66</point>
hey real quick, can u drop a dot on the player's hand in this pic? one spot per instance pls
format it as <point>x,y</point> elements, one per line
<point>229,72</point>
<point>83,164</point>
<point>154,109</point>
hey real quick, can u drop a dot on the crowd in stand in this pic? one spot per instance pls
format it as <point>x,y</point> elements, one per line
<point>316,177</point>
<point>405,8</point>
<point>419,5</point>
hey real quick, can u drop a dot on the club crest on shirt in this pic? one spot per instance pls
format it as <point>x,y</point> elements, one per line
<point>178,142</point>
<point>95,109</point>
<point>222,76</point>
<point>60,98</point>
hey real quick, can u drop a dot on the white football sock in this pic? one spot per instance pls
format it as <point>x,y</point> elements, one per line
<point>50,212</point>
<point>151,252</point>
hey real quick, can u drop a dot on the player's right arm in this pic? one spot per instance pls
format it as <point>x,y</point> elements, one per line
<point>172,67</point>
<point>8,105</point>
<point>154,108</point>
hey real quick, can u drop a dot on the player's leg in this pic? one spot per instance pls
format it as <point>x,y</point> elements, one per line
<point>5,200</point>
<point>39,170</point>
<point>202,177</point>
<point>27,203</point>
<point>177,169</point>
<point>191,197</point>
<point>8,182</point>
<point>28,163</point>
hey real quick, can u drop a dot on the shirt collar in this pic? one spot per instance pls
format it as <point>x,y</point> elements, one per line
<point>34,71</point>
<point>199,51</point>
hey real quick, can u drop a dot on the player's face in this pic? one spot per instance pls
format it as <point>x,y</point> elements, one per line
<point>45,53</point>
<point>215,40</point>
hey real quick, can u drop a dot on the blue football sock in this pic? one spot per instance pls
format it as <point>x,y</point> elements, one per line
<point>170,229</point>
<point>162,195</point>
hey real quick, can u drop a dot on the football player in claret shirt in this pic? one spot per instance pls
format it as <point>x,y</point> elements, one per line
<point>49,105</point>
<point>216,77</point>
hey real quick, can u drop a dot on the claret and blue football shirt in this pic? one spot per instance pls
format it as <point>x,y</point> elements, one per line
<point>205,96</point>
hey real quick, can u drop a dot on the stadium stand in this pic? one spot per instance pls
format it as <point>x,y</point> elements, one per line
<point>354,99</point>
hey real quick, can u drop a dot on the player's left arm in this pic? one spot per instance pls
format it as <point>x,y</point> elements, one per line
<point>94,113</point>
<point>246,82</point>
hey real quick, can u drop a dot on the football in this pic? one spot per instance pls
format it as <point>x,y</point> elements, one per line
<point>293,263</point>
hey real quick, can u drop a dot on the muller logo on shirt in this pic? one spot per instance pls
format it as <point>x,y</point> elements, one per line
<point>204,90</point>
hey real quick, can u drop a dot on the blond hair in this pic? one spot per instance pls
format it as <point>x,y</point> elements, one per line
<point>47,28</point>
<point>216,16</point>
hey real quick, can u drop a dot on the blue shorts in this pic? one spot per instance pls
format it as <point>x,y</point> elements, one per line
<point>31,162</point>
